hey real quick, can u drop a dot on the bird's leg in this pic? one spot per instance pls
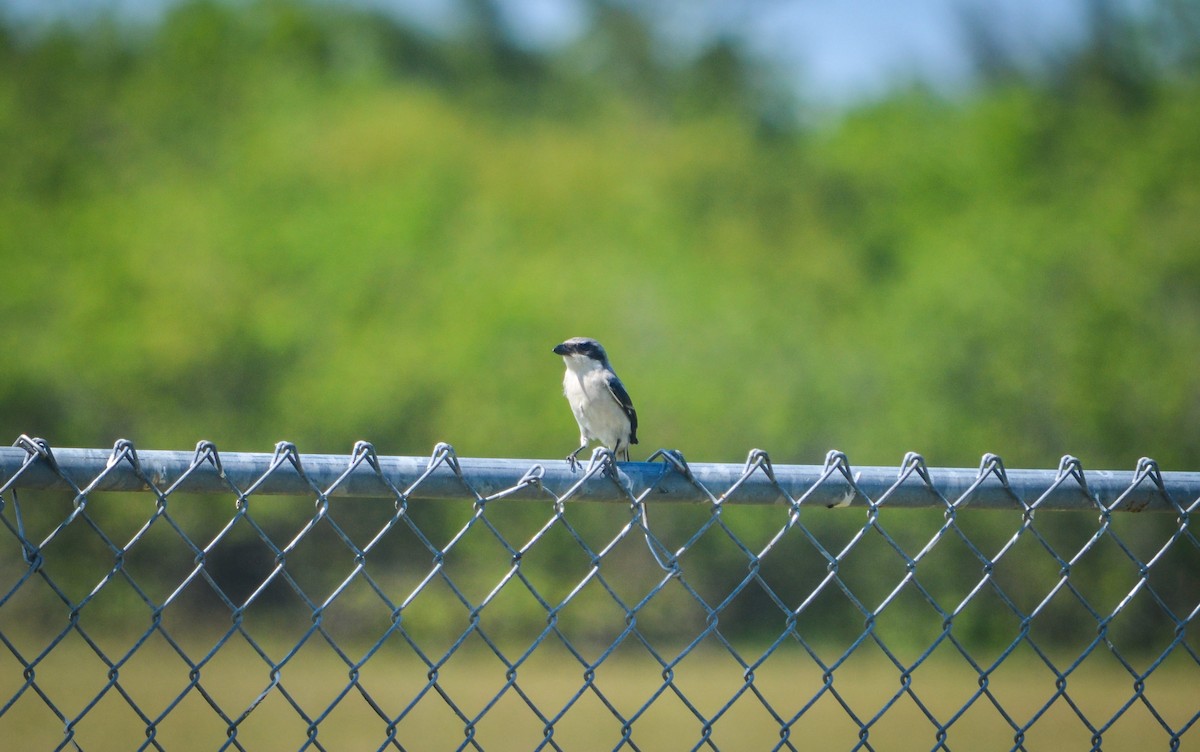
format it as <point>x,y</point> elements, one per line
<point>621,452</point>
<point>573,459</point>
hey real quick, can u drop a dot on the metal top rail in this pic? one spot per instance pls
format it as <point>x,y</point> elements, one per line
<point>665,477</point>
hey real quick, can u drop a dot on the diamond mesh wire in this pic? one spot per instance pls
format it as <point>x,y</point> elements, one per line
<point>280,601</point>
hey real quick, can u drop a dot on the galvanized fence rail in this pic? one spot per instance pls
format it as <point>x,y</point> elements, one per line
<point>338,599</point>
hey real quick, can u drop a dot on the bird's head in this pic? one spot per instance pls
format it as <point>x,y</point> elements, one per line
<point>582,351</point>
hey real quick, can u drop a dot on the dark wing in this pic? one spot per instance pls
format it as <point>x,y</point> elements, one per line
<point>617,389</point>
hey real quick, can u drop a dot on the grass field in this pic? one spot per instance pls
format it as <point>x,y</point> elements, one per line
<point>552,679</point>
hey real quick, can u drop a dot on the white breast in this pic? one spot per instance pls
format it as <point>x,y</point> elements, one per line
<point>599,416</point>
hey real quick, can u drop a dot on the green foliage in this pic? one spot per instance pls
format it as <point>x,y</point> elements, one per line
<point>289,221</point>
<point>282,220</point>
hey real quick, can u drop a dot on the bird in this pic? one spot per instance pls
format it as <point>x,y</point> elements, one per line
<point>598,399</point>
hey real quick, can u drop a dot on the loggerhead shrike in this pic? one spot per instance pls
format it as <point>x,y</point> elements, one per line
<point>601,405</point>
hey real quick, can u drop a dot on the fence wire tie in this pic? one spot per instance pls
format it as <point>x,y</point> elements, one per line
<point>915,462</point>
<point>1146,468</point>
<point>36,449</point>
<point>1071,466</point>
<point>364,451</point>
<point>836,460</point>
<point>531,477</point>
<point>602,459</point>
<point>758,458</point>
<point>39,449</point>
<point>206,451</point>
<point>358,453</point>
<point>675,459</point>
<point>123,449</point>
<point>990,465</point>
<point>286,450</point>
<point>443,454</point>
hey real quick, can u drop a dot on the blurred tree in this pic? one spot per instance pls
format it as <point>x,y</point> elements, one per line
<point>291,220</point>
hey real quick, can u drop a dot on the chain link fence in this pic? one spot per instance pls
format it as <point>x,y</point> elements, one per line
<point>206,600</point>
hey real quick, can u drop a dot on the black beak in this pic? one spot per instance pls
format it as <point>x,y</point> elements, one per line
<point>562,350</point>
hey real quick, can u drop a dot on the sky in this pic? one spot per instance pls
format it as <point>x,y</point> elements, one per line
<point>836,51</point>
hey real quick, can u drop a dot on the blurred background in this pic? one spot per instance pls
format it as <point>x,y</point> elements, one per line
<point>947,227</point>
